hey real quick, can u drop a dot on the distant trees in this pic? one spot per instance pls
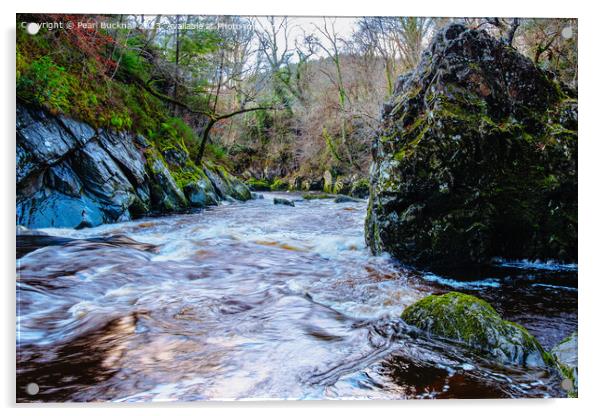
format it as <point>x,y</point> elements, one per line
<point>396,41</point>
<point>303,93</point>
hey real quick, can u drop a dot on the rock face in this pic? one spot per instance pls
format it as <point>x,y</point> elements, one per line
<point>476,157</point>
<point>474,322</point>
<point>69,175</point>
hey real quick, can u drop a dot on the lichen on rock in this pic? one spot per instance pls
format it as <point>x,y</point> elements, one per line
<point>566,357</point>
<point>473,322</point>
<point>476,157</point>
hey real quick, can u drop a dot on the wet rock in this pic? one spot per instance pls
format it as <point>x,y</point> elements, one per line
<point>48,208</point>
<point>312,184</point>
<point>104,181</point>
<point>344,198</point>
<point>82,132</point>
<point>123,151</point>
<point>566,356</point>
<point>165,193</point>
<point>283,201</point>
<point>476,157</point>
<point>255,195</point>
<point>42,136</point>
<point>201,193</point>
<point>25,163</point>
<point>473,322</point>
<point>66,167</point>
<point>342,185</point>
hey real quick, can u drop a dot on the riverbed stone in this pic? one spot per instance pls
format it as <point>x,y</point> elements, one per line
<point>283,201</point>
<point>474,323</point>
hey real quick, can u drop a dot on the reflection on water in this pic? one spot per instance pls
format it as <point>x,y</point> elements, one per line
<point>257,300</point>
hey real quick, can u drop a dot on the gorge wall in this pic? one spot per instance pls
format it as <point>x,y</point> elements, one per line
<point>70,174</point>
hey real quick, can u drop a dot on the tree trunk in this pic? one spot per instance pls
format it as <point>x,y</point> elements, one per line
<point>204,140</point>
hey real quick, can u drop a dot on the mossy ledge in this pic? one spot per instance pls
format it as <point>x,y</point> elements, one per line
<point>475,323</point>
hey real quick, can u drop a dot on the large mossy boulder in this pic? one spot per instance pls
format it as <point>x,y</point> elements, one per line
<point>473,322</point>
<point>476,158</point>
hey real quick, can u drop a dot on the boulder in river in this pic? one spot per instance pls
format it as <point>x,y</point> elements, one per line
<point>476,157</point>
<point>283,201</point>
<point>565,354</point>
<point>473,322</point>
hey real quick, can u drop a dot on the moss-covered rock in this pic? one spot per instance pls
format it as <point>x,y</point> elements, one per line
<point>566,356</point>
<point>473,322</point>
<point>255,184</point>
<point>328,182</point>
<point>476,158</point>
<point>225,184</point>
<point>166,195</point>
<point>316,195</point>
<point>279,185</point>
<point>360,188</point>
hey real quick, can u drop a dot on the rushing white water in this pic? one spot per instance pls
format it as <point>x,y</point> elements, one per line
<point>250,300</point>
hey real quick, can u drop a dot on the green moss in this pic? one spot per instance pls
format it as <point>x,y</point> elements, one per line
<point>190,173</point>
<point>278,185</point>
<point>258,184</point>
<point>474,322</point>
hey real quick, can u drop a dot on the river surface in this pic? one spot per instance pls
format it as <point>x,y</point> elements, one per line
<point>259,301</point>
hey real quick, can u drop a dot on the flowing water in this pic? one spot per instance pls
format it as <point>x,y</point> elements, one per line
<point>259,301</point>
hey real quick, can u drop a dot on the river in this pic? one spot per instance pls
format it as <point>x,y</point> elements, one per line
<point>259,301</point>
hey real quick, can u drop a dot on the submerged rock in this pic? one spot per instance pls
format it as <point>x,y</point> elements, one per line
<point>473,322</point>
<point>344,198</point>
<point>476,157</point>
<point>283,201</point>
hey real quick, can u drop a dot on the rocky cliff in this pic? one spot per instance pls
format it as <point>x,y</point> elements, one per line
<point>70,174</point>
<point>476,157</point>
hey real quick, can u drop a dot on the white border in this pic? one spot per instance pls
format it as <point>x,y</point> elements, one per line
<point>590,140</point>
